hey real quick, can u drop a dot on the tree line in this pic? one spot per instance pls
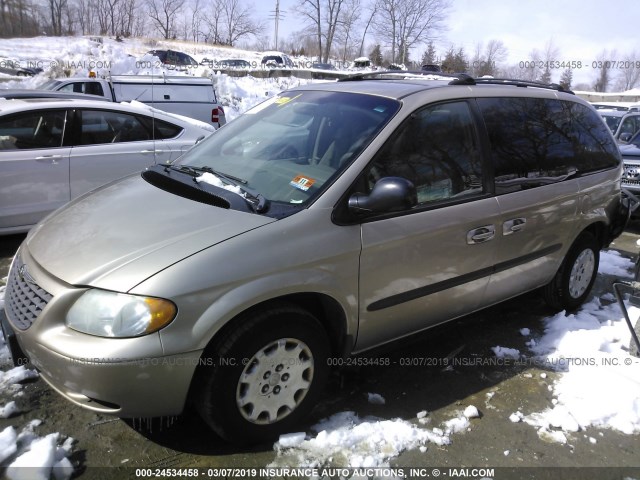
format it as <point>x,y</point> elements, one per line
<point>330,30</point>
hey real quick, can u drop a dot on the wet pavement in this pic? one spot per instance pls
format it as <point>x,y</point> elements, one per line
<point>110,448</point>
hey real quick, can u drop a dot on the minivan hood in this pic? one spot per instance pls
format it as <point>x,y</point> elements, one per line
<point>123,233</point>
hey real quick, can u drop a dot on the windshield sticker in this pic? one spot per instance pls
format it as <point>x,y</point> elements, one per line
<point>284,100</point>
<point>302,183</point>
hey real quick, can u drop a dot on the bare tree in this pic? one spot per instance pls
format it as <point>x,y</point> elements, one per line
<point>238,21</point>
<point>629,76</point>
<point>56,10</point>
<point>347,26</point>
<point>19,18</point>
<point>195,27</point>
<point>213,19</point>
<point>402,24</point>
<point>163,14</point>
<point>373,12</point>
<point>485,60</point>
<point>603,67</point>
<point>321,17</point>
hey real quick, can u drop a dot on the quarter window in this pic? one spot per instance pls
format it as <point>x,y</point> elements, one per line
<point>537,142</point>
<point>437,150</point>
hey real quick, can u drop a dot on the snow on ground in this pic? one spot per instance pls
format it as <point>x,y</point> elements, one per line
<point>600,381</point>
<point>346,440</point>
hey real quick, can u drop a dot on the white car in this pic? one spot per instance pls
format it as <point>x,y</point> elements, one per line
<point>53,150</point>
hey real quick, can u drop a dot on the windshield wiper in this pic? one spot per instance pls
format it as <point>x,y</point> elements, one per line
<point>259,204</point>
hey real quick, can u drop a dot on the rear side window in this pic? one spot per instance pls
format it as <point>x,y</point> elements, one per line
<point>537,142</point>
<point>39,129</point>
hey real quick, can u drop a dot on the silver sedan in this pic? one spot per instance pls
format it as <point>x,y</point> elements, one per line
<point>52,151</point>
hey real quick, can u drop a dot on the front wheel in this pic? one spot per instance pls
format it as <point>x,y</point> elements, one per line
<point>264,375</point>
<point>576,275</point>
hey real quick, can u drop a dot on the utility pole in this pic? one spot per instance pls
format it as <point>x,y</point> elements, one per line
<point>277,15</point>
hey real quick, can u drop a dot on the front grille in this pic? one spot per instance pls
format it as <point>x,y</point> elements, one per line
<point>629,181</point>
<point>24,299</point>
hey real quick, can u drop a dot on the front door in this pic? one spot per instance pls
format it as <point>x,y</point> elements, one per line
<point>432,263</point>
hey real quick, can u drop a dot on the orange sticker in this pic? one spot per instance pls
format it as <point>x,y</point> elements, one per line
<point>302,183</point>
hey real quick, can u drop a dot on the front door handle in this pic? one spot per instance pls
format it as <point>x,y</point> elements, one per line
<point>481,234</point>
<point>514,225</point>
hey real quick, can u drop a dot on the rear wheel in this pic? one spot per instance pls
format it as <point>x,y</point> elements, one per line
<point>264,375</point>
<point>576,275</point>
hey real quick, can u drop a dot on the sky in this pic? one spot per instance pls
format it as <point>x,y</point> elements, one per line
<point>581,29</point>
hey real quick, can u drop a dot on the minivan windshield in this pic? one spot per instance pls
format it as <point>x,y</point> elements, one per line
<point>289,147</point>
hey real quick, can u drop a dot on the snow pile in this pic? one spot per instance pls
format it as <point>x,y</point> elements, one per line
<point>600,384</point>
<point>612,263</point>
<point>346,440</point>
<point>42,457</point>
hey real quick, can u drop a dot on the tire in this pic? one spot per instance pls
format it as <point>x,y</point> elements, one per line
<point>573,281</point>
<point>263,376</point>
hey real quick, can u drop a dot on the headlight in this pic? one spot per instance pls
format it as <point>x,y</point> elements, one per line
<point>109,314</point>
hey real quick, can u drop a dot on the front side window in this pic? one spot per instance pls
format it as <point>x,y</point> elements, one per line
<point>37,129</point>
<point>437,150</point>
<point>289,147</point>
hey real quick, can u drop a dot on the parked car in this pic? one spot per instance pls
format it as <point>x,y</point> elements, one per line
<point>21,93</point>
<point>193,97</point>
<point>631,175</point>
<point>174,59</point>
<point>54,150</point>
<point>622,123</point>
<point>234,63</point>
<point>326,221</point>
<point>322,66</point>
<point>628,127</point>
<point>12,67</point>
<point>276,60</point>
<point>612,117</point>
<point>431,68</point>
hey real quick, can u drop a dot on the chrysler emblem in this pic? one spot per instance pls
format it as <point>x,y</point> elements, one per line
<point>24,275</point>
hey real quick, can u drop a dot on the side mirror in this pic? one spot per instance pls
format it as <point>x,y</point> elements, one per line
<point>389,194</point>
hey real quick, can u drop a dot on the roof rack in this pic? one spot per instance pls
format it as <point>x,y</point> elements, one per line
<point>521,83</point>
<point>402,74</point>
<point>457,79</point>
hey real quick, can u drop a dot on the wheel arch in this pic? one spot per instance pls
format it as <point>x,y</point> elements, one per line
<point>327,310</point>
<point>600,232</point>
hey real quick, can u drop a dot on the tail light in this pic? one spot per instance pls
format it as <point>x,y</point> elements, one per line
<point>216,113</point>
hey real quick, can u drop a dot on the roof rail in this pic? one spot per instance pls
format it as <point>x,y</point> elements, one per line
<point>458,79</point>
<point>402,74</point>
<point>519,83</point>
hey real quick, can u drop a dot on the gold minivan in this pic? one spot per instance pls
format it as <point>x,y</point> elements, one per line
<point>326,221</point>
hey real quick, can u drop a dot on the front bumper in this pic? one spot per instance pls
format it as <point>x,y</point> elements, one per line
<point>148,387</point>
<point>127,377</point>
